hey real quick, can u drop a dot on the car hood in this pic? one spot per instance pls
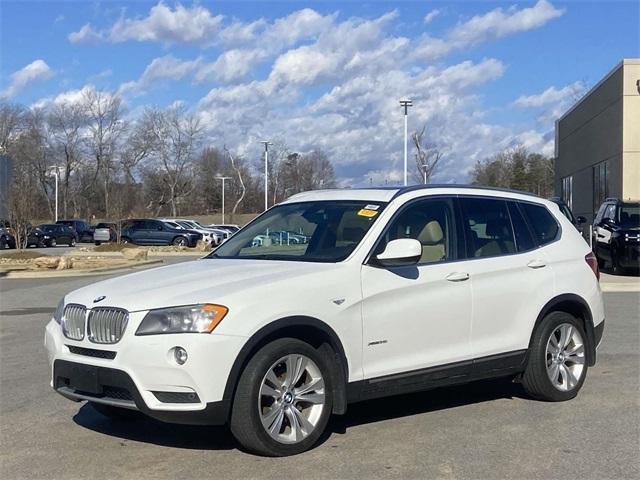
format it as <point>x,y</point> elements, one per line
<point>194,282</point>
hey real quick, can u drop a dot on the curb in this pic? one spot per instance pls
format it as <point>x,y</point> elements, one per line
<point>620,287</point>
<point>70,273</point>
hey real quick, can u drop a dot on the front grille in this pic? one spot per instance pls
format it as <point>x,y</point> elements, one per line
<point>91,352</point>
<point>106,325</point>
<point>73,321</point>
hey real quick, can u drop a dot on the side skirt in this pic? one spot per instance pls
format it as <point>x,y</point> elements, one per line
<point>493,366</point>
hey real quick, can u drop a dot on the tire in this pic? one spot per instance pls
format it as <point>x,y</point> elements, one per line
<point>53,243</point>
<point>616,269</point>
<point>180,242</point>
<point>568,365</point>
<point>96,243</point>
<point>125,240</point>
<point>72,242</point>
<point>116,413</point>
<point>250,408</point>
<point>3,243</point>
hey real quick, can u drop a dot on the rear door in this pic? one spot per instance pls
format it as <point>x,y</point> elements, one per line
<point>510,278</point>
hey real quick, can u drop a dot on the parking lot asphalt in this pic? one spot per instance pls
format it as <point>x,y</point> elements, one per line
<point>485,430</point>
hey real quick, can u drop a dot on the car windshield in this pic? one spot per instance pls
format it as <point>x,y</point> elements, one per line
<point>173,225</point>
<point>629,215</point>
<point>326,231</point>
<point>185,224</point>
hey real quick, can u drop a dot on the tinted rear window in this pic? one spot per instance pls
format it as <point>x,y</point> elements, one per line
<point>544,225</point>
<point>524,239</point>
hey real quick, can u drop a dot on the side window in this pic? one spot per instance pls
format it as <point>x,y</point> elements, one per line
<point>610,212</point>
<point>488,227</point>
<point>429,221</point>
<point>524,239</point>
<point>600,214</point>
<point>544,226</point>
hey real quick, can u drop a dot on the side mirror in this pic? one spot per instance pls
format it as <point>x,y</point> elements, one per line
<point>400,252</point>
<point>580,220</point>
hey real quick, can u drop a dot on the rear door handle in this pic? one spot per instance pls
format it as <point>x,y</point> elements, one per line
<point>457,277</point>
<point>536,264</point>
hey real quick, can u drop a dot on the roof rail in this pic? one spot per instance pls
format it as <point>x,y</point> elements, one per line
<point>412,188</point>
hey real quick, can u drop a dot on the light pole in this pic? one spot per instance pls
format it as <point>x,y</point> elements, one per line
<point>55,171</point>
<point>405,104</point>
<point>223,179</point>
<point>266,144</point>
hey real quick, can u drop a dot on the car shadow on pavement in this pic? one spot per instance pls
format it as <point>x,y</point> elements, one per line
<point>148,430</point>
<point>425,402</point>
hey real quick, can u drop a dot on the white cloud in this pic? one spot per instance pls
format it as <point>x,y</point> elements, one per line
<point>492,25</point>
<point>428,18</point>
<point>86,34</point>
<point>498,23</point>
<point>164,24</point>
<point>36,71</point>
<point>551,95</point>
<point>161,68</point>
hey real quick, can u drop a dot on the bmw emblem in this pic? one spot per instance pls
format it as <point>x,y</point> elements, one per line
<point>99,299</point>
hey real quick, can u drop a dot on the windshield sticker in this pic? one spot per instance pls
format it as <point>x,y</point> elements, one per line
<point>371,207</point>
<point>365,212</point>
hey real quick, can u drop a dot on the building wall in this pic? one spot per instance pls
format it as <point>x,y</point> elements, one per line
<point>603,126</point>
<point>631,132</point>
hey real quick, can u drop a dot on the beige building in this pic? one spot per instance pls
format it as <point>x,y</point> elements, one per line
<point>598,143</point>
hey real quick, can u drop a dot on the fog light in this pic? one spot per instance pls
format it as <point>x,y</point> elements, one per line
<point>180,355</point>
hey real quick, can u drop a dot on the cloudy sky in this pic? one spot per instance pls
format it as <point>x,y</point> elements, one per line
<point>482,75</point>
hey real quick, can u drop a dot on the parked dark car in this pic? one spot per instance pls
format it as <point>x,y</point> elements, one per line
<point>84,231</point>
<point>578,221</point>
<point>616,235</point>
<point>51,235</point>
<point>6,238</point>
<point>156,232</point>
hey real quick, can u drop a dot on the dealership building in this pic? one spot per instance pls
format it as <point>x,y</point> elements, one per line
<point>598,143</point>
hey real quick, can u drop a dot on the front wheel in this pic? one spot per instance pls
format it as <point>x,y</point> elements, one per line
<point>180,242</point>
<point>283,400</point>
<point>557,363</point>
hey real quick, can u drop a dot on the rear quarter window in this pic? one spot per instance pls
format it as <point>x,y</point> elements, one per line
<point>543,224</point>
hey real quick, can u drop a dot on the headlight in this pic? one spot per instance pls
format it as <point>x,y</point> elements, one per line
<point>187,319</point>
<point>57,315</point>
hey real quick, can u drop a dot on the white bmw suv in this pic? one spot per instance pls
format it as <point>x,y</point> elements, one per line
<point>396,290</point>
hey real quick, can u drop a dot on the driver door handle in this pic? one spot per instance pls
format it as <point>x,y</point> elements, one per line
<point>536,264</point>
<point>457,277</point>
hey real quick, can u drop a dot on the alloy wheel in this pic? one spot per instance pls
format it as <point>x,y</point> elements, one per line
<point>291,398</point>
<point>565,357</point>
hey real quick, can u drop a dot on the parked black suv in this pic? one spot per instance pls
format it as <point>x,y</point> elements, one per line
<point>84,232</point>
<point>616,234</point>
<point>156,232</point>
<point>51,235</point>
<point>578,221</point>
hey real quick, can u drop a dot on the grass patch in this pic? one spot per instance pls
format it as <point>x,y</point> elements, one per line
<point>113,247</point>
<point>23,255</point>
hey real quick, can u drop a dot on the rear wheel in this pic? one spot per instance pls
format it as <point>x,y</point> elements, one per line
<point>283,400</point>
<point>557,364</point>
<point>72,242</point>
<point>97,243</point>
<point>125,240</point>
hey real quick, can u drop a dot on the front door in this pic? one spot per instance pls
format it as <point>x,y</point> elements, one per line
<point>418,316</point>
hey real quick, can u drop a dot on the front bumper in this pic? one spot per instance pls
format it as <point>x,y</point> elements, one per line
<point>140,372</point>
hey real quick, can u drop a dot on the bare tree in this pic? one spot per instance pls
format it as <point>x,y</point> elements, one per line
<point>66,122</point>
<point>105,125</point>
<point>427,156</point>
<point>175,137</point>
<point>236,168</point>
<point>11,119</point>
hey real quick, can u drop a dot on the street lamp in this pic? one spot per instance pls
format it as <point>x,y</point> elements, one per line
<point>266,144</point>
<point>405,104</point>
<point>55,171</point>
<point>223,179</point>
